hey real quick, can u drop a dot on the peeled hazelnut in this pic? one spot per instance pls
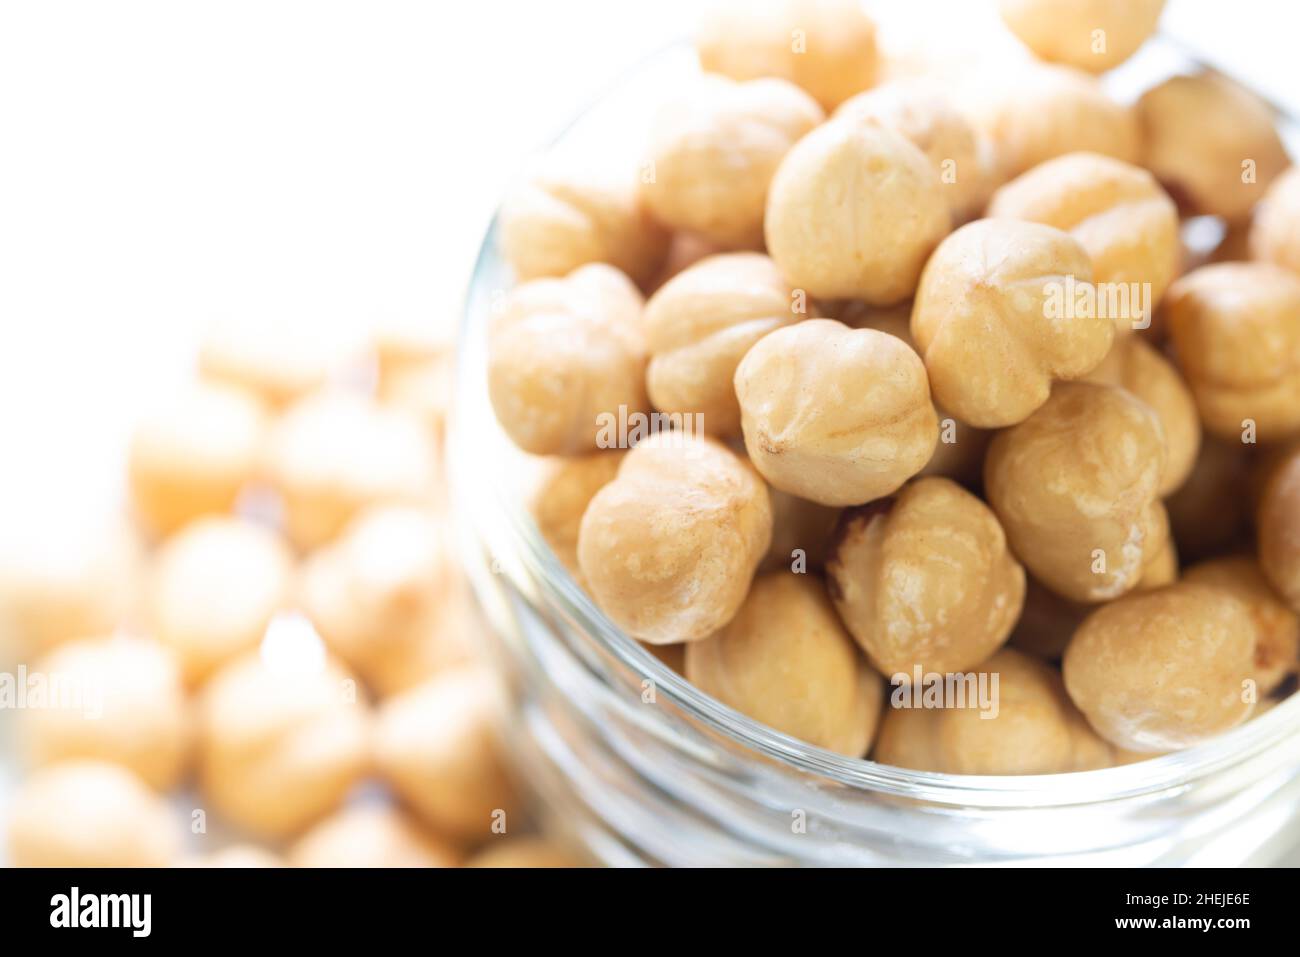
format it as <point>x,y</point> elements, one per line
<point>560,494</point>
<point>925,580</point>
<point>1235,329</point>
<point>564,352</point>
<point>193,455</point>
<point>1047,622</point>
<point>994,320</point>
<point>669,547</point>
<point>1275,231</point>
<point>214,588</point>
<point>801,533</point>
<point>835,415</point>
<point>826,47</point>
<point>1160,567</point>
<point>854,210</point>
<point>713,151</point>
<point>1211,142</point>
<point>369,836</point>
<point>89,814</point>
<point>1208,512</point>
<point>526,852</point>
<point>1119,214</point>
<point>786,660</point>
<point>1163,670</point>
<point>701,323</point>
<point>1278,526</point>
<point>1076,488</point>
<point>277,362</point>
<point>127,706</point>
<point>1093,35</point>
<point>908,739</point>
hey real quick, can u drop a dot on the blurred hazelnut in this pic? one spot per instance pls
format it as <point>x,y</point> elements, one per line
<point>369,836</point>
<point>1208,512</point>
<point>240,856</point>
<point>527,852</point>
<point>1093,35</point>
<point>1278,526</point>
<point>559,495</point>
<point>1275,231</point>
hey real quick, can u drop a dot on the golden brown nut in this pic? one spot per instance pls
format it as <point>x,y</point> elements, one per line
<point>826,47</point>
<point>1135,366</point>
<point>370,836</point>
<point>835,415</point>
<point>1278,525</point>
<point>193,454</point>
<point>560,494</point>
<point>1163,670</point>
<point>1118,213</point>
<point>854,210</point>
<point>1160,567</point>
<point>436,746</point>
<point>334,453</point>
<point>281,742</point>
<point>669,547</point>
<point>801,533</point>
<point>713,151</point>
<point>1277,626</point>
<point>1208,512</point>
<point>277,362</point>
<point>925,580</point>
<point>1235,329</point>
<point>562,218</point>
<point>117,699</point>
<point>700,325</point>
<point>523,852</point>
<point>1047,622</point>
<point>786,660</point>
<point>1211,142</point>
<point>1076,488</point>
<point>89,814</point>
<point>1093,35</point>
<point>1000,313</point>
<point>563,353</point>
<point>908,738</point>
<point>214,588</point>
<point>1275,230</point>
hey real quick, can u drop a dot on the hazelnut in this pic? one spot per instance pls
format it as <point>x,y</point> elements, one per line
<point>563,353</point>
<point>1208,512</point>
<point>854,210</point>
<point>801,533</point>
<point>1278,526</point>
<point>527,852</point>
<point>786,660</point>
<point>713,151</point>
<point>669,547</point>
<point>1160,567</point>
<point>908,739</point>
<point>1235,329</point>
<point>1076,488</point>
<point>1163,670</point>
<point>559,495</point>
<point>1093,35</point>
<point>835,415</point>
<point>994,321</point>
<point>277,362</point>
<point>700,325</point>
<point>1275,231</point>
<point>1047,622</point>
<point>925,580</point>
<point>1211,143</point>
<point>369,836</point>
<point>235,856</point>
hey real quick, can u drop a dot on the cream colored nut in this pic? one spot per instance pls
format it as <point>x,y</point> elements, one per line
<point>564,353</point>
<point>713,151</point>
<point>281,741</point>
<point>801,533</point>
<point>559,495</point>
<point>1278,628</point>
<point>854,210</point>
<point>700,325</point>
<point>235,856</point>
<point>1039,112</point>
<point>835,415</point>
<point>334,453</point>
<point>276,361</point>
<point>1235,329</point>
<point>562,218</point>
<point>1275,231</point>
<point>455,638</point>
<point>908,738</point>
<point>1278,526</point>
<point>685,250</point>
<point>1221,173</point>
<point>124,704</point>
<point>1118,213</point>
<point>1093,35</point>
<point>214,588</point>
<point>1208,512</point>
<point>920,111</point>
<point>925,580</point>
<point>436,746</point>
<point>1133,365</point>
<point>89,814</point>
<point>826,47</point>
<point>1076,488</point>
<point>997,319</point>
<point>370,836</point>
<point>1046,622</point>
<point>1163,670</point>
<point>527,852</point>
<point>668,548</point>
<point>193,454</point>
<point>786,660</point>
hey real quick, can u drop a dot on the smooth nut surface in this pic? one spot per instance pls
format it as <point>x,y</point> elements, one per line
<point>559,495</point>
<point>668,548</point>
<point>786,660</point>
<point>1278,525</point>
<point>835,415</point>
<point>1275,230</point>
<point>996,320</point>
<point>1093,35</point>
<point>1076,488</point>
<point>925,579</point>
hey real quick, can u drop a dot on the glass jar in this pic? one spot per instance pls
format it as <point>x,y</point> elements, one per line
<point>639,767</point>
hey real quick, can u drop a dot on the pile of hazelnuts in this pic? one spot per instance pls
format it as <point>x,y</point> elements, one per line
<point>969,401</point>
